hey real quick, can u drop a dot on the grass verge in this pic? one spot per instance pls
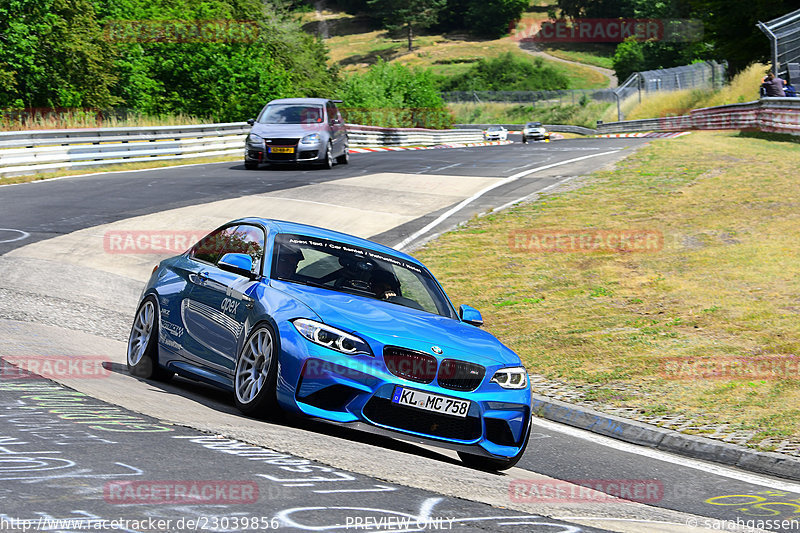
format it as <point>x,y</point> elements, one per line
<point>15,120</point>
<point>502,113</point>
<point>723,285</point>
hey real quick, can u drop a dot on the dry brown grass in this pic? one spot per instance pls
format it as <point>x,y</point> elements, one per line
<point>724,284</point>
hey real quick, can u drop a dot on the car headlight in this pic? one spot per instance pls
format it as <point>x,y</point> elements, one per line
<point>311,138</point>
<point>255,138</point>
<point>330,337</point>
<point>511,378</point>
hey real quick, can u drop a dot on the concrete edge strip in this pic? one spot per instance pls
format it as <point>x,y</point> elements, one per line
<point>667,440</point>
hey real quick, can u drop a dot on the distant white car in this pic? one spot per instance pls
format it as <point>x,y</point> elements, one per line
<point>534,131</point>
<point>495,133</point>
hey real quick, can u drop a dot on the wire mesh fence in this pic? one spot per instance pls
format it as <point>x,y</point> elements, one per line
<point>577,96</point>
<point>708,74</point>
<point>784,35</point>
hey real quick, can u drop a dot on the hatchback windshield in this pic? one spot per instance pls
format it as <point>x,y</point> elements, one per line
<point>291,114</point>
<point>346,268</point>
<point>534,124</point>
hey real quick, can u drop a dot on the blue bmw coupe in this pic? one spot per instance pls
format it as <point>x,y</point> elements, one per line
<point>297,318</point>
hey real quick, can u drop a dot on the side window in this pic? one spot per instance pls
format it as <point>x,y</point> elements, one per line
<point>209,248</point>
<point>333,113</point>
<point>249,240</point>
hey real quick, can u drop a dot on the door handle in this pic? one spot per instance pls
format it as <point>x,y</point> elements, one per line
<point>198,279</point>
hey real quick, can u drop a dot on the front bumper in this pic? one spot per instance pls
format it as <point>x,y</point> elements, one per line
<point>300,153</point>
<point>357,391</point>
<point>536,135</point>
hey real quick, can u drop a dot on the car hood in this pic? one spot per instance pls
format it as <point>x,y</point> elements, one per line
<point>287,130</point>
<point>394,324</point>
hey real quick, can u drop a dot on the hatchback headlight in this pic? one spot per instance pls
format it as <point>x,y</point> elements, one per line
<point>511,378</point>
<point>311,138</point>
<point>255,138</point>
<point>331,337</point>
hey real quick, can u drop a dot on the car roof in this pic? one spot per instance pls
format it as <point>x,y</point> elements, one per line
<point>300,101</point>
<point>283,226</point>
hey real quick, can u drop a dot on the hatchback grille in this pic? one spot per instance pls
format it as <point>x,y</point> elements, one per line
<point>382,411</point>
<point>460,375</point>
<point>272,141</point>
<point>410,365</point>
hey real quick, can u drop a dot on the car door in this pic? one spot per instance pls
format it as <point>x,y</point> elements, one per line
<point>174,289</point>
<point>219,305</point>
<point>336,126</point>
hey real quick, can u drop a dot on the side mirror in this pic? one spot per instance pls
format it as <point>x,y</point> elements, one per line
<point>241,264</point>
<point>470,315</point>
<point>251,121</point>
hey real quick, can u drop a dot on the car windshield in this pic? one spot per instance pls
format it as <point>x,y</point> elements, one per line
<point>534,124</point>
<point>291,114</point>
<point>347,268</point>
<point>495,128</point>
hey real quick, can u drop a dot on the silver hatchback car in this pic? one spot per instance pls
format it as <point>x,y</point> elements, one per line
<point>297,130</point>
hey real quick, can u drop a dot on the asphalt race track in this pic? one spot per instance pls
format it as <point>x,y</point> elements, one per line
<point>88,449</point>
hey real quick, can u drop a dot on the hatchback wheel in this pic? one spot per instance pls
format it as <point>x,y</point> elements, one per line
<point>328,161</point>
<point>345,157</point>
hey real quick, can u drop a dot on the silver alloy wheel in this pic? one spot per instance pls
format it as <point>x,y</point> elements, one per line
<point>252,369</point>
<point>140,334</point>
<point>329,156</point>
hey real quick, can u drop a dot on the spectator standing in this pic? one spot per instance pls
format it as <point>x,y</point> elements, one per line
<point>772,85</point>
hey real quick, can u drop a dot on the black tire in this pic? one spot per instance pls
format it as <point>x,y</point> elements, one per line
<point>490,464</point>
<point>251,165</point>
<point>345,157</point>
<point>524,140</point>
<point>253,369</point>
<point>327,163</point>
<point>142,352</point>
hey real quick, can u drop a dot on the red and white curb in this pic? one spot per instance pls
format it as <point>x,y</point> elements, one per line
<point>648,134</point>
<point>401,148</point>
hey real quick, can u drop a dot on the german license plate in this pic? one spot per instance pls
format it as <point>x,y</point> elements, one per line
<point>281,149</point>
<point>430,402</point>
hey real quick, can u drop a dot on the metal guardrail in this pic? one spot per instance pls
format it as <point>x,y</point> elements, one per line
<point>361,136</point>
<point>30,152</point>
<point>776,115</point>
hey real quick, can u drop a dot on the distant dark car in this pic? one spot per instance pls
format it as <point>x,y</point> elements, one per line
<point>534,131</point>
<point>297,130</point>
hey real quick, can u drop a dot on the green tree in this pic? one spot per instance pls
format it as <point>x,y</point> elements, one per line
<point>407,15</point>
<point>52,54</point>
<point>247,54</point>
<point>393,95</point>
<point>730,28</point>
<point>508,73</point>
<point>628,58</point>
